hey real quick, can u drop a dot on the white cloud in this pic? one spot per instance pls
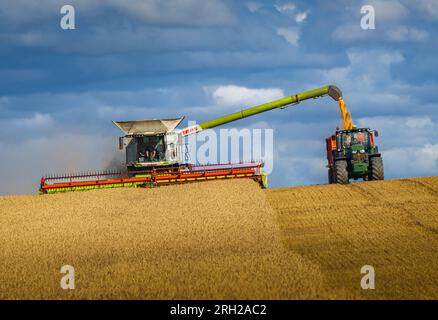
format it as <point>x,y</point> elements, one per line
<point>290,34</point>
<point>403,33</point>
<point>38,120</point>
<point>14,10</point>
<point>389,17</point>
<point>400,33</point>
<point>408,144</point>
<point>253,6</point>
<point>407,127</point>
<point>402,162</point>
<point>31,38</point>
<point>377,100</point>
<point>285,8</point>
<point>300,17</point>
<point>429,6</point>
<point>237,96</point>
<point>351,32</point>
<point>126,112</point>
<point>169,12</point>
<point>289,9</point>
<point>188,12</point>
<point>365,71</point>
<point>388,10</point>
<point>419,122</point>
<point>292,167</point>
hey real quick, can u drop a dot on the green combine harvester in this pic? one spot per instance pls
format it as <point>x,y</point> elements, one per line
<point>154,153</point>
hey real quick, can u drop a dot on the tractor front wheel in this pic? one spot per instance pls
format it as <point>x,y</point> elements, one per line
<point>377,172</point>
<point>341,172</point>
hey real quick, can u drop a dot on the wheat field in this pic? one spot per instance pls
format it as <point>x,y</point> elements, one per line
<point>204,240</point>
<point>391,225</point>
<point>223,240</point>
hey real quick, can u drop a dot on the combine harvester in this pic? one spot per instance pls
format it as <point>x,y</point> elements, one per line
<point>154,154</point>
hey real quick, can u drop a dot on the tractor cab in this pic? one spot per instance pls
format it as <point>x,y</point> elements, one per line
<point>355,144</point>
<point>356,140</point>
<point>352,154</point>
<point>150,143</point>
<point>351,138</point>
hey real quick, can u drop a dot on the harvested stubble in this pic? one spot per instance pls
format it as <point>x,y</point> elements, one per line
<point>391,225</point>
<point>206,240</point>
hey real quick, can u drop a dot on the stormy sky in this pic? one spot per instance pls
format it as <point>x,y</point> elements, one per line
<point>127,60</point>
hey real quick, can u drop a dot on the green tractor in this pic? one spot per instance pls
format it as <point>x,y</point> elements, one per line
<point>352,154</point>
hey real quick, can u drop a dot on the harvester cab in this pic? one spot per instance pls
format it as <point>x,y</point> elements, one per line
<point>151,143</point>
<point>352,154</point>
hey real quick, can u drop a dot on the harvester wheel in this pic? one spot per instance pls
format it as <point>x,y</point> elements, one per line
<point>341,172</point>
<point>330,176</point>
<point>377,172</point>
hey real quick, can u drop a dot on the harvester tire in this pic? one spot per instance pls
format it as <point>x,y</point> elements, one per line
<point>341,172</point>
<point>330,176</point>
<point>377,172</point>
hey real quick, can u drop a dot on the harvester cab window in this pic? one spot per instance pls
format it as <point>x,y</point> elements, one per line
<point>151,148</point>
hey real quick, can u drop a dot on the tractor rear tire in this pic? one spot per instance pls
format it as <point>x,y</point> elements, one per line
<point>341,172</point>
<point>377,172</point>
<point>330,176</point>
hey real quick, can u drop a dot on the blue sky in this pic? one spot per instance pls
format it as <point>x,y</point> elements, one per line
<point>60,89</point>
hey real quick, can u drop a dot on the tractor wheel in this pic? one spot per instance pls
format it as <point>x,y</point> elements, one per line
<point>330,176</point>
<point>341,172</point>
<point>377,172</point>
